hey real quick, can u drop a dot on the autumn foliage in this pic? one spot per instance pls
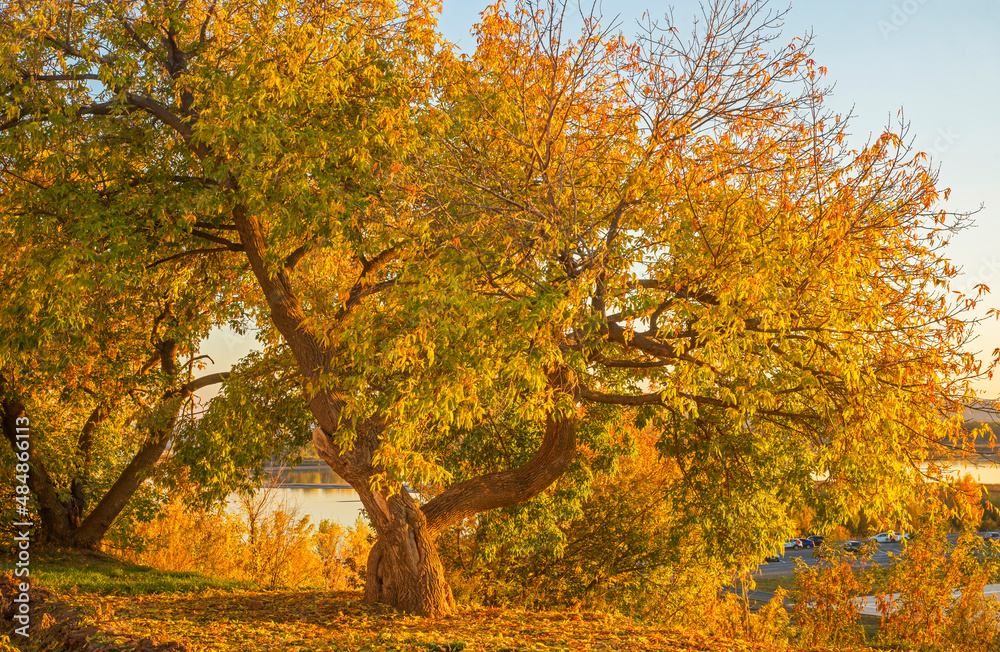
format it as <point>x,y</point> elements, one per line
<point>934,596</point>
<point>826,600</point>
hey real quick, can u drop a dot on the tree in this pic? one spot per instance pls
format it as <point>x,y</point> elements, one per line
<point>716,255</point>
<point>98,369</point>
<point>271,123</point>
<point>549,225</point>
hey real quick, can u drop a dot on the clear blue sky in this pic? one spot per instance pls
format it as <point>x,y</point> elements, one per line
<point>938,60</point>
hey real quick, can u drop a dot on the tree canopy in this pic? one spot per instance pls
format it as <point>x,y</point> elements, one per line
<point>716,254</point>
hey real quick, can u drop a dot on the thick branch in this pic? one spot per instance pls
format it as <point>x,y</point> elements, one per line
<point>289,318</point>
<point>296,257</point>
<point>93,528</point>
<point>514,486</point>
<point>229,244</point>
<point>656,399</point>
<point>204,381</point>
<point>51,510</point>
<point>184,254</point>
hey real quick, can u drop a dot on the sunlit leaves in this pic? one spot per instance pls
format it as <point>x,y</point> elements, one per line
<point>705,242</point>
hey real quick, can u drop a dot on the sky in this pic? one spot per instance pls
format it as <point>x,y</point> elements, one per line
<point>937,60</point>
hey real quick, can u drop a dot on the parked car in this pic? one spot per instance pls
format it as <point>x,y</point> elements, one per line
<point>793,544</point>
<point>886,537</point>
<point>772,560</point>
<point>807,543</point>
<point>817,540</point>
<point>853,546</point>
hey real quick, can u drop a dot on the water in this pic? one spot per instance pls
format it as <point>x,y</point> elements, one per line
<point>330,504</point>
<point>985,473</point>
<point>314,491</point>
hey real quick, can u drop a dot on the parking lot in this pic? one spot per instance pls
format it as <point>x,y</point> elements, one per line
<point>881,557</point>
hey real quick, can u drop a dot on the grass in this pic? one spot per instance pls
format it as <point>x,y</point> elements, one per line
<point>101,574</point>
<point>771,584</point>
<point>212,615</point>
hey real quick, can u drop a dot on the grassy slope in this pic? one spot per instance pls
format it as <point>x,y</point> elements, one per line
<point>103,575</point>
<point>207,614</point>
<point>787,582</point>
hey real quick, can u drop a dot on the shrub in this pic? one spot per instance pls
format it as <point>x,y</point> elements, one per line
<point>344,553</point>
<point>933,598</point>
<point>826,612</point>
<point>258,540</point>
<point>625,550</point>
<point>185,539</point>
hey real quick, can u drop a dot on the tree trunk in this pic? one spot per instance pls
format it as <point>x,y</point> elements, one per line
<point>404,569</point>
<point>55,523</point>
<point>95,526</point>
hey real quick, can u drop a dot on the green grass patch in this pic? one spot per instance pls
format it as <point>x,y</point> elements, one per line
<point>92,572</point>
<point>871,626</point>
<point>771,584</point>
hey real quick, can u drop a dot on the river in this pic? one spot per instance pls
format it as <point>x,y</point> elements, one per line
<point>314,491</point>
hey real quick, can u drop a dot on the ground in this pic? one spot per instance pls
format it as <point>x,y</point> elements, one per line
<point>123,602</point>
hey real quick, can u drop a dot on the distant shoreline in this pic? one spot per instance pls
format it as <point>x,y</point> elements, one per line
<point>302,485</point>
<point>307,467</point>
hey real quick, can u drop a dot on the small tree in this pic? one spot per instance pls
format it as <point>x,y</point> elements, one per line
<point>826,600</point>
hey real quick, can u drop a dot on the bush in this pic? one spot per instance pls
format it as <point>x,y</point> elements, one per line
<point>185,539</point>
<point>260,541</point>
<point>825,609</point>
<point>344,553</point>
<point>933,598</point>
<point>627,550</point>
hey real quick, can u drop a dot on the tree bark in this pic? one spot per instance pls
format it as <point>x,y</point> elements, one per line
<point>404,569</point>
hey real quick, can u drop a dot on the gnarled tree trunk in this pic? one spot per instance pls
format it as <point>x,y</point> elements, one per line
<point>404,569</point>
